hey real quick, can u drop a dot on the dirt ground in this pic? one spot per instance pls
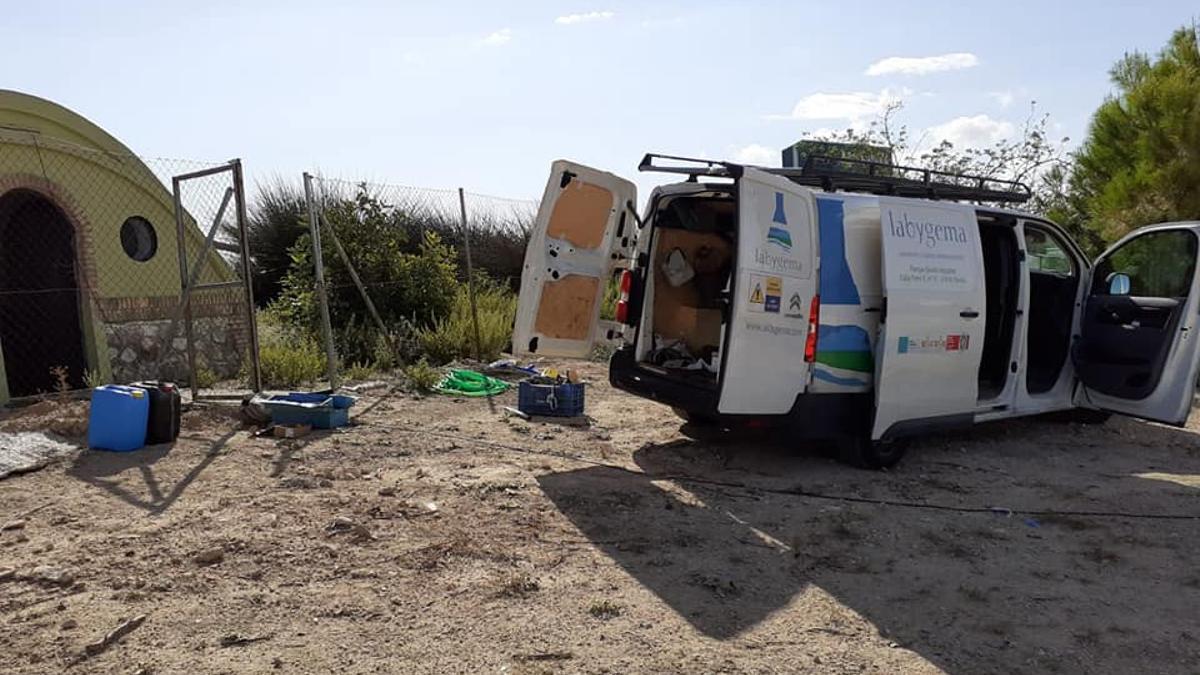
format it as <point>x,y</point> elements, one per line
<point>438,536</point>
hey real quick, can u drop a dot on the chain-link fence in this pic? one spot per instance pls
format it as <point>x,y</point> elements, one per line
<point>409,272</point>
<point>94,251</point>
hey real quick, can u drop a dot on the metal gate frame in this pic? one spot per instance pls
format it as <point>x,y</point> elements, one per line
<point>188,280</point>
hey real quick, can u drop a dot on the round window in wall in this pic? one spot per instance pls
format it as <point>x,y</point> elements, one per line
<point>138,238</point>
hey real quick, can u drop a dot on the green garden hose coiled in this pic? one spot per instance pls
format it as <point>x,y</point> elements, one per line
<point>470,383</point>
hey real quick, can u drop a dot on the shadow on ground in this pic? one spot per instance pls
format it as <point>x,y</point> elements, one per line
<point>106,470</point>
<point>969,592</point>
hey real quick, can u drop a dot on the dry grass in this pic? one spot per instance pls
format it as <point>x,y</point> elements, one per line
<point>605,609</point>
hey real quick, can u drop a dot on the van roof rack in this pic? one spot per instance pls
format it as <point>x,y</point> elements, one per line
<point>858,175</point>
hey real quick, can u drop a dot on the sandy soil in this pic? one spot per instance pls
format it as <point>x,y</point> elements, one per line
<point>436,536</point>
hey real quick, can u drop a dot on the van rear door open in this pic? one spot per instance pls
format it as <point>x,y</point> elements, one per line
<point>764,367</point>
<point>584,228</point>
<point>931,337</point>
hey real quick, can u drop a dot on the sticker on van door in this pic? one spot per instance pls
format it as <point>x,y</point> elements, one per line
<point>933,345</point>
<point>931,248</point>
<point>766,294</point>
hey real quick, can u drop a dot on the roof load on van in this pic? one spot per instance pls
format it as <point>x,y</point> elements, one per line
<point>857,175</point>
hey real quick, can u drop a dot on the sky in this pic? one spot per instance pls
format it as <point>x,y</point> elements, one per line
<point>485,95</point>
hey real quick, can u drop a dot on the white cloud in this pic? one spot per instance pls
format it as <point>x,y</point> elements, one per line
<point>843,106</point>
<point>1004,98</point>
<point>759,155</point>
<point>923,65</point>
<point>500,37</point>
<point>971,132</point>
<point>584,17</point>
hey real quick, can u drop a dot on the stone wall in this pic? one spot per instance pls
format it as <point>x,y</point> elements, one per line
<point>141,350</point>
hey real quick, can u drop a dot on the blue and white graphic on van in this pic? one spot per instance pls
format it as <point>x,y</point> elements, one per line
<point>777,232</point>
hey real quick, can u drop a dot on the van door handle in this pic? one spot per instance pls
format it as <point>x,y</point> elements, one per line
<point>969,314</point>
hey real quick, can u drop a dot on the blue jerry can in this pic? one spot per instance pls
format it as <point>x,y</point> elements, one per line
<point>118,418</point>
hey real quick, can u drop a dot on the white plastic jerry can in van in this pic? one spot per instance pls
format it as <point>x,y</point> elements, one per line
<point>585,231</point>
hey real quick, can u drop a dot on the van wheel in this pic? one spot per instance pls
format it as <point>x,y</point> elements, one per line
<point>865,453</point>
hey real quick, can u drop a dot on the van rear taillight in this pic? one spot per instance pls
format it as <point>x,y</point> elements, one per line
<point>814,320</point>
<point>623,302</point>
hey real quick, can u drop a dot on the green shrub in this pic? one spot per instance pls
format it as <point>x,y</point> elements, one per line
<point>422,376</point>
<point>286,356</point>
<point>360,371</point>
<point>608,302</point>
<point>205,377</point>
<point>410,283</point>
<point>454,336</point>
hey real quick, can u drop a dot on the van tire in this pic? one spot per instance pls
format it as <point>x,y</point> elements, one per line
<point>865,453</point>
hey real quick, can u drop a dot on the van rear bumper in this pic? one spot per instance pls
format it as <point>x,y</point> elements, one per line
<point>625,374</point>
<point>813,416</point>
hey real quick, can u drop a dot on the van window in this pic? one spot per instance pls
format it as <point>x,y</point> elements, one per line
<point>1158,264</point>
<point>1047,254</point>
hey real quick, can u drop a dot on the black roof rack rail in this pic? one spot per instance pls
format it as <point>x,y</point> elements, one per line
<point>859,175</point>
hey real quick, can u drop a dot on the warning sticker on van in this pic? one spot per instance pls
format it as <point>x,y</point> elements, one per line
<point>766,293</point>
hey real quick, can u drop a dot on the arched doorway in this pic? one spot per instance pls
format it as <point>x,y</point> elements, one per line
<point>40,326</point>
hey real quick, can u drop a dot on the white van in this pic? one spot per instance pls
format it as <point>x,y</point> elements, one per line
<point>754,296</point>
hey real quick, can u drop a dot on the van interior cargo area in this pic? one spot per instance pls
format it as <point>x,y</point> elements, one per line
<point>692,260</point>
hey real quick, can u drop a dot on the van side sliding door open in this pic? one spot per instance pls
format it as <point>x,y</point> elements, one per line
<point>772,333</point>
<point>928,352</point>
<point>1136,350</point>
<point>582,223</point>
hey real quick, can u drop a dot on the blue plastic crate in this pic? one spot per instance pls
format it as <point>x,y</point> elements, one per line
<point>558,400</point>
<point>322,411</point>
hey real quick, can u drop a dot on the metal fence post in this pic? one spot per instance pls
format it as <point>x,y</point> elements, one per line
<point>462,205</point>
<point>247,278</point>
<point>185,287</point>
<point>314,228</point>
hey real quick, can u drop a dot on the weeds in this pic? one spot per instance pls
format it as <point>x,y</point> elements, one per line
<point>205,377</point>
<point>93,378</point>
<point>422,377</point>
<point>453,337</point>
<point>605,609</point>
<point>62,381</point>
<point>519,586</point>
<point>359,371</point>
<point>291,362</point>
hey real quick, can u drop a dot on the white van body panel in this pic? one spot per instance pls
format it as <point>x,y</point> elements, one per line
<point>775,280</point>
<point>932,337</point>
<point>851,294</point>
<point>583,218</point>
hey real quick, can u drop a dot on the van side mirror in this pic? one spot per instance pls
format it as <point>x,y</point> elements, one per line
<point>1118,284</point>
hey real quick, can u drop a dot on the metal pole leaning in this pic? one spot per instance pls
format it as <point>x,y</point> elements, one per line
<point>314,229</point>
<point>462,205</point>
<point>337,243</point>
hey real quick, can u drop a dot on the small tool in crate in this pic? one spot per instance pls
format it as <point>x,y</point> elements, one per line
<point>552,395</point>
